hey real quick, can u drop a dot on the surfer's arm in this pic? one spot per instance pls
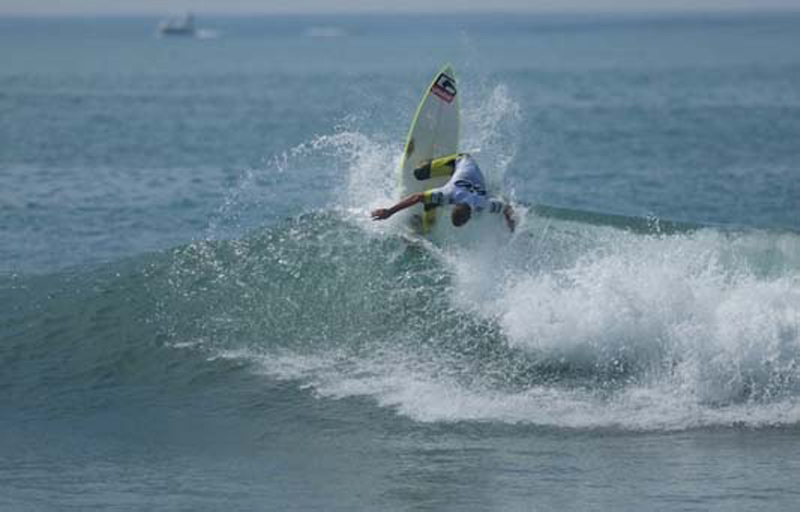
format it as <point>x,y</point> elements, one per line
<point>431,198</point>
<point>385,213</point>
<point>497,206</point>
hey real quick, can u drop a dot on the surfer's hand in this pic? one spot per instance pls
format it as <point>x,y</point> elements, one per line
<point>385,213</point>
<point>381,214</point>
<point>511,222</point>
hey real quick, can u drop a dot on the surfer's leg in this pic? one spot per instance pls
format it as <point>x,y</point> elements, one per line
<point>428,218</point>
<point>444,166</point>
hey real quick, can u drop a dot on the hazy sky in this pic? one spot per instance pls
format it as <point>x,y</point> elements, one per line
<point>323,6</point>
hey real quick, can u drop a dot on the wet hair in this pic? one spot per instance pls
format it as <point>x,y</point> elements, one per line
<point>461,214</point>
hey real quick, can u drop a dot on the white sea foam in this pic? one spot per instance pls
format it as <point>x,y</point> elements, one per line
<point>369,166</point>
<point>424,393</point>
<point>711,338</point>
<point>723,333</point>
<point>491,121</point>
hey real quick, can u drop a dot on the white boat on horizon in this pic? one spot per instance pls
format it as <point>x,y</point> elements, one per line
<point>178,26</point>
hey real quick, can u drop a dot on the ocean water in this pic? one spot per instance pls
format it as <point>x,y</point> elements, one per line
<point>196,312</point>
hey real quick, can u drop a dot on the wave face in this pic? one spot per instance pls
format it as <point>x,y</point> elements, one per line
<point>569,323</point>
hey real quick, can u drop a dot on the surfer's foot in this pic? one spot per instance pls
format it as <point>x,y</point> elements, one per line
<point>423,172</point>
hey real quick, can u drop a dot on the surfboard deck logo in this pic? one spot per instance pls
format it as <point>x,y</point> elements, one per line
<point>444,87</point>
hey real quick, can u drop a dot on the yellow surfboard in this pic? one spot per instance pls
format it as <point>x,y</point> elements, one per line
<point>433,134</point>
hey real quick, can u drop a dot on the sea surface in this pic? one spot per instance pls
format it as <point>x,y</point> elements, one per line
<point>196,312</point>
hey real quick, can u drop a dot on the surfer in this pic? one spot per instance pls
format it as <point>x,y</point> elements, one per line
<point>466,189</point>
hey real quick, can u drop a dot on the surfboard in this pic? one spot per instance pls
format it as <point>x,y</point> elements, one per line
<point>433,134</point>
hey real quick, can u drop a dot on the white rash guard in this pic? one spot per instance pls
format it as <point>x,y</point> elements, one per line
<point>467,186</point>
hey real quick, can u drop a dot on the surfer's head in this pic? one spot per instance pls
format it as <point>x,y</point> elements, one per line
<point>461,214</point>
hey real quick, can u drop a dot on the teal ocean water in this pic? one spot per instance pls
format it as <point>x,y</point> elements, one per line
<point>197,313</point>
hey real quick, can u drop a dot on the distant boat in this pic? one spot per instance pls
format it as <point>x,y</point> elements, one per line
<point>178,27</point>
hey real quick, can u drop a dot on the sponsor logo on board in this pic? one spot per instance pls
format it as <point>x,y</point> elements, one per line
<point>444,87</point>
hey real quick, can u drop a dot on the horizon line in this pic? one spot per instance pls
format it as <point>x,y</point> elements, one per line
<point>533,11</point>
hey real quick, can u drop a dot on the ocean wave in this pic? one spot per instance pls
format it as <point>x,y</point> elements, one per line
<point>568,324</point>
<point>578,319</point>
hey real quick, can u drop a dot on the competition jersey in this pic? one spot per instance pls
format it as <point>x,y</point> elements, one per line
<point>465,186</point>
